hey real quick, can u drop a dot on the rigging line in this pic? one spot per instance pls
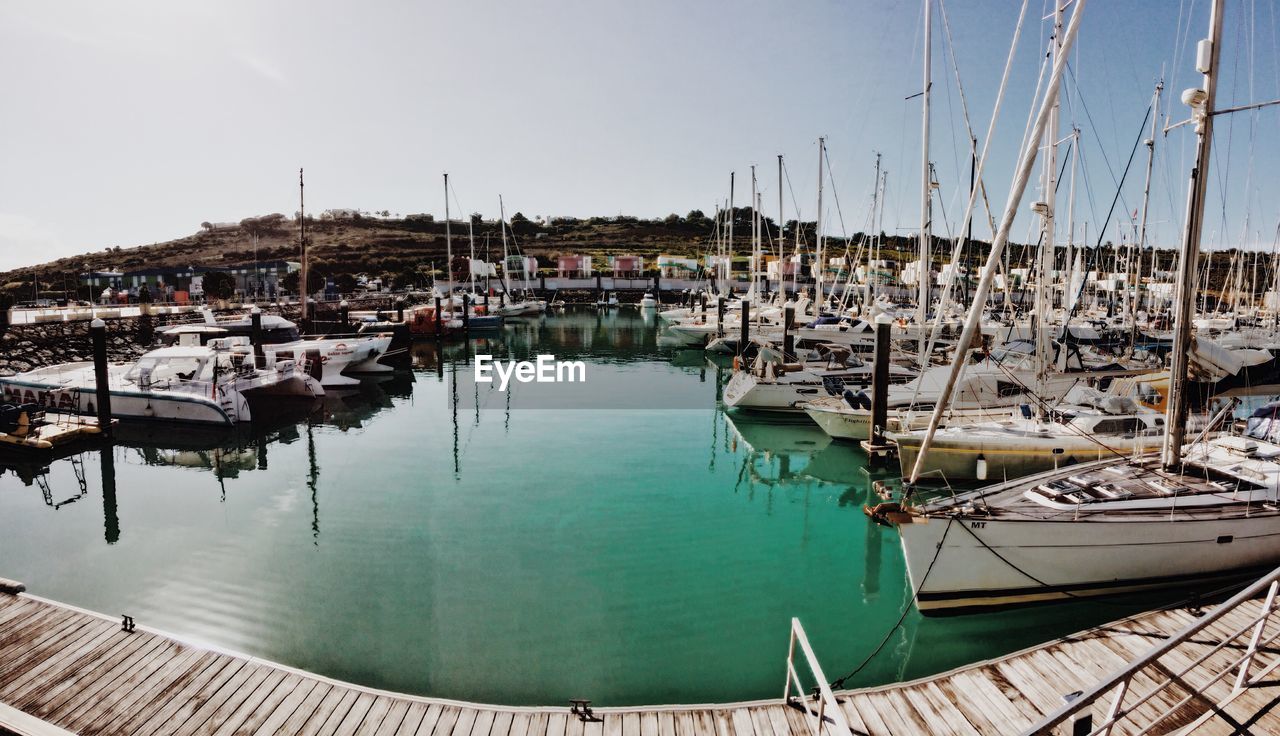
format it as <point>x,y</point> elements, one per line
<point>786,173</point>
<point>1119,187</point>
<point>838,683</point>
<point>1096,135</point>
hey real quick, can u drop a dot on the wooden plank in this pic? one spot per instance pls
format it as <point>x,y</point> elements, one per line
<point>195,694</point>
<point>140,699</point>
<point>289,687</point>
<point>957,721</point>
<point>502,724</point>
<point>421,719</point>
<point>703,724</point>
<point>53,670</point>
<point>910,720</point>
<point>759,721</point>
<point>100,710</point>
<point>721,717</point>
<point>777,720</point>
<point>85,704</point>
<point>293,720</point>
<point>215,716</point>
<point>444,724</point>
<point>483,724</point>
<point>466,719</point>
<point>245,678</point>
<point>30,625</point>
<point>860,704</point>
<point>557,722</point>
<point>612,725</point>
<point>359,709</point>
<point>250,710</point>
<point>17,609</point>
<point>980,700</point>
<point>330,713</point>
<point>739,718</point>
<point>630,724</point>
<point>413,717</point>
<point>520,724</point>
<point>383,710</point>
<point>186,672</point>
<point>41,643</point>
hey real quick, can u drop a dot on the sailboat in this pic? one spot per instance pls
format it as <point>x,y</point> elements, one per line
<point>1207,510</point>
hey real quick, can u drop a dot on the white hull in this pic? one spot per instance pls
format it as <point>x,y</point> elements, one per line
<point>1076,558</point>
<point>340,358</point>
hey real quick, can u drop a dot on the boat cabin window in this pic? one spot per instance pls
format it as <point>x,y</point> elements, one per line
<point>1119,425</point>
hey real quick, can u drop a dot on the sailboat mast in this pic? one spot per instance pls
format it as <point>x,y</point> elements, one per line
<point>1208,52</point>
<point>502,225</point>
<point>818,269</point>
<point>448,238</point>
<point>782,241</point>
<point>728,252</point>
<point>875,208</point>
<point>755,230</point>
<point>1048,246</point>
<point>302,246</point>
<point>1146,188</point>
<point>922,305</point>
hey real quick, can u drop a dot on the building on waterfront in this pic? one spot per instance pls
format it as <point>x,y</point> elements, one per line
<point>675,267</point>
<point>626,266</point>
<point>573,266</point>
<point>179,283</point>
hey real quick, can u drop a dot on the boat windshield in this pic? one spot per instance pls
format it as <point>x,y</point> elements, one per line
<point>166,369</point>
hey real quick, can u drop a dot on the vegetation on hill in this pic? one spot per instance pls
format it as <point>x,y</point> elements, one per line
<point>407,251</point>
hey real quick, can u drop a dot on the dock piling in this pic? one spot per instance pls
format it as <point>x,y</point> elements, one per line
<point>255,336</point>
<point>788,338</point>
<point>102,388</point>
<point>439,320</point>
<point>876,446</point>
<point>745,333</point>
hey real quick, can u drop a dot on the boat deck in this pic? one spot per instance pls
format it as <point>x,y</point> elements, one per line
<point>80,672</point>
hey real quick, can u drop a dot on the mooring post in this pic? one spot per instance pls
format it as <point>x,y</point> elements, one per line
<point>657,286</point>
<point>745,333</point>
<point>720,316</point>
<point>788,338</point>
<point>102,389</point>
<point>703,299</point>
<point>502,298</point>
<point>344,315</point>
<point>542,281</point>
<point>400,309</point>
<point>439,319</point>
<point>466,313</point>
<point>255,336</point>
<point>599,283</point>
<point>880,382</point>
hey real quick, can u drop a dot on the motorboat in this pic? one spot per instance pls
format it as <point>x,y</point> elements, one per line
<point>341,359</point>
<point>771,384</point>
<point>205,384</point>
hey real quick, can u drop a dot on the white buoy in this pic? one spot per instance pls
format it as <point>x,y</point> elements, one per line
<point>980,468</point>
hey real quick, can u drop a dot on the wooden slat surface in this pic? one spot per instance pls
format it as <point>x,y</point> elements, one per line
<point>80,672</point>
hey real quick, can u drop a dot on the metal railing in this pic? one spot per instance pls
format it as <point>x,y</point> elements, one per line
<point>828,711</point>
<point>1169,675</point>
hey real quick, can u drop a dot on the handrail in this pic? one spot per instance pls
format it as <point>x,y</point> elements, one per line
<point>828,706</point>
<point>1119,681</point>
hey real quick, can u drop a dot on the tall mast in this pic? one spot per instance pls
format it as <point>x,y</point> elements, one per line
<point>448,239</point>
<point>922,306</point>
<point>302,246</point>
<point>502,226</point>
<point>471,270</point>
<point>755,230</point>
<point>1048,249</point>
<point>782,242</point>
<point>728,253</point>
<point>875,206</point>
<point>1146,188</point>
<point>1208,52</point>
<point>818,254</point>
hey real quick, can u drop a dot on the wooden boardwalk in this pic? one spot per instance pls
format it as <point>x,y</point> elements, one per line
<point>80,672</point>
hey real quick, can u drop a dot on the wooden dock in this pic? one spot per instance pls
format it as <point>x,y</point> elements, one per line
<point>74,671</point>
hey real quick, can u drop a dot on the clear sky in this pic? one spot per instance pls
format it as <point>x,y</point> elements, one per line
<point>132,122</point>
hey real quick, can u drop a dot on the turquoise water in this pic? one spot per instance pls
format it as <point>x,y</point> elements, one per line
<point>521,556</point>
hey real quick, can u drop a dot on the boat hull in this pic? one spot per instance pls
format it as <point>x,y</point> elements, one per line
<point>953,564</point>
<point>155,405</point>
<point>956,458</point>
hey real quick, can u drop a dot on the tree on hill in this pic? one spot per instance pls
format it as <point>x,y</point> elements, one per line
<point>218,285</point>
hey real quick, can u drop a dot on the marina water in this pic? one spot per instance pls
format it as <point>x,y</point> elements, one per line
<point>405,537</point>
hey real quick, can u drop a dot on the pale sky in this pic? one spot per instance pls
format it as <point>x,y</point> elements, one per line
<point>132,122</point>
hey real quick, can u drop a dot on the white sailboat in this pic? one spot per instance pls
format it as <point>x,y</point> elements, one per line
<point>1208,510</point>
